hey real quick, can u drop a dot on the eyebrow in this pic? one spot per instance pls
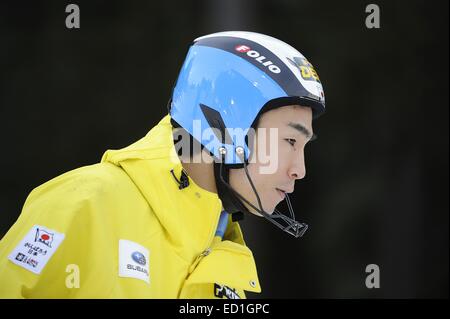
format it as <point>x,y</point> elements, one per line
<point>302,129</point>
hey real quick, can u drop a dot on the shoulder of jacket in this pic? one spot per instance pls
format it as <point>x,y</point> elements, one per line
<point>86,181</point>
<point>90,191</point>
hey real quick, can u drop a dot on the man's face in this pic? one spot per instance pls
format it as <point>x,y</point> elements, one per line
<point>287,130</point>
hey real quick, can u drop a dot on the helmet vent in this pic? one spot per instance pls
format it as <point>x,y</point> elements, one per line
<point>216,122</point>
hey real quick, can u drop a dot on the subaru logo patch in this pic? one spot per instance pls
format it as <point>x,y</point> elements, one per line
<point>139,258</point>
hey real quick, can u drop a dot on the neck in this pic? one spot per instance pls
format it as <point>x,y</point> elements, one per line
<point>202,173</point>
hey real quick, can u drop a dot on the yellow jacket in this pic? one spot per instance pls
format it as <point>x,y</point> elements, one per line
<point>123,229</point>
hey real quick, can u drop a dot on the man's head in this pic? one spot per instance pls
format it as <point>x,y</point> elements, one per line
<point>227,82</point>
<point>277,158</point>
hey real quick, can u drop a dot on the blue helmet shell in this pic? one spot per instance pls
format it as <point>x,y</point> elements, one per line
<point>228,78</point>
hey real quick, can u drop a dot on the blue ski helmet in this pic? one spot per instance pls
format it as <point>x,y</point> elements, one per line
<point>229,78</point>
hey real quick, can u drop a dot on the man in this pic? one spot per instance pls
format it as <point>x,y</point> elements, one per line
<point>154,220</point>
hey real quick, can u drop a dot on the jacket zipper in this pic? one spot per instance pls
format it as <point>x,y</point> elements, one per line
<point>207,251</point>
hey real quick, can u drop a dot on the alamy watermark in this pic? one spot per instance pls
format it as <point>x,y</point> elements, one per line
<point>73,18</point>
<point>73,278</point>
<point>373,19</point>
<point>262,149</point>
<point>373,279</point>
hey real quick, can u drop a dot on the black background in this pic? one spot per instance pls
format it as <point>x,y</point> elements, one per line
<point>376,190</point>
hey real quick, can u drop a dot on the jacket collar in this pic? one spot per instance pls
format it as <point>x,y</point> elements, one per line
<point>189,216</point>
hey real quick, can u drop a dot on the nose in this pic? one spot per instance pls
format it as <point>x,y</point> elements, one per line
<point>297,169</point>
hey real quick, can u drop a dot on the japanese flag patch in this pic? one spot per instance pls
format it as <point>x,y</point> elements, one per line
<point>36,249</point>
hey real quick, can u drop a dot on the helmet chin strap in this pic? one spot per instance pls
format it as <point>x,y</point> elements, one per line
<point>231,201</point>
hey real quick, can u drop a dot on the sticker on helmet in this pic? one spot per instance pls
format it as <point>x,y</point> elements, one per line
<point>306,68</point>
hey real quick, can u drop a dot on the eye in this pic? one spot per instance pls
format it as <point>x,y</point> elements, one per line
<point>291,141</point>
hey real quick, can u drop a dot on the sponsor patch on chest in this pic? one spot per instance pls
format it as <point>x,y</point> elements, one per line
<point>134,261</point>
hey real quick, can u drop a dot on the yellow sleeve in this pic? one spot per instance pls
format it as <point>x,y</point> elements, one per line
<point>52,238</point>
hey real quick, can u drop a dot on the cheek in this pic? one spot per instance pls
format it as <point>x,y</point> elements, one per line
<point>236,179</point>
<point>240,182</point>
<point>264,146</point>
<point>283,163</point>
<point>262,182</point>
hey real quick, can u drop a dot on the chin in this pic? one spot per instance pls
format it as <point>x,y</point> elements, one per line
<point>268,211</point>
